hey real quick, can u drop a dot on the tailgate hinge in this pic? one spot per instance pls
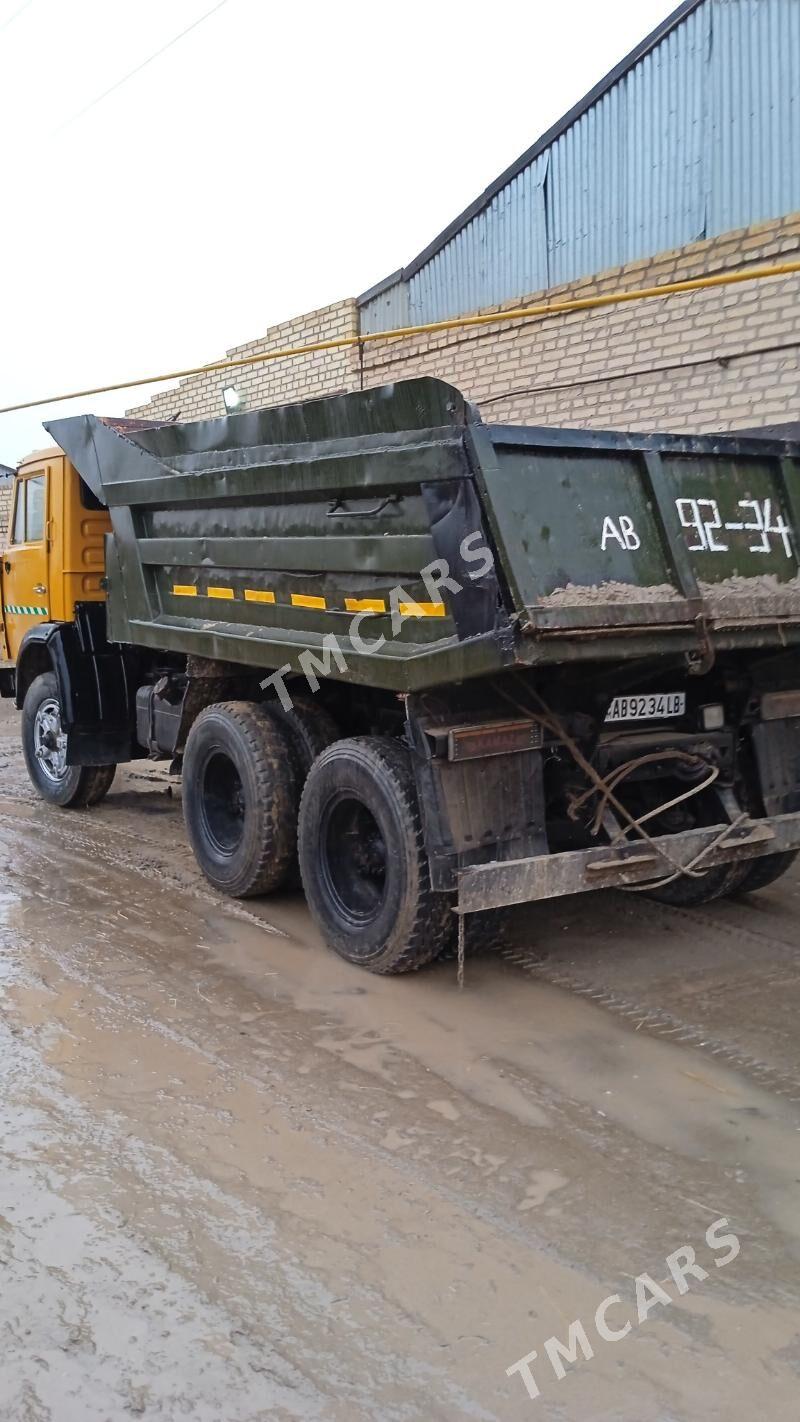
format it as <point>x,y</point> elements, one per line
<point>702,660</point>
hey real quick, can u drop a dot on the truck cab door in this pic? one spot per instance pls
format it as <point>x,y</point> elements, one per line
<point>26,599</point>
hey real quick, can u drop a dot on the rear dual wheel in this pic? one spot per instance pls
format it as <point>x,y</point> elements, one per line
<point>363,860</point>
<point>722,880</point>
<point>743,877</point>
<point>358,836</point>
<point>760,873</point>
<point>689,892</point>
<point>243,771</point>
<point>240,798</point>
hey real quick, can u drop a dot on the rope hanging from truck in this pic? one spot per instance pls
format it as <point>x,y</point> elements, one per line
<point>622,772</point>
<point>605,786</point>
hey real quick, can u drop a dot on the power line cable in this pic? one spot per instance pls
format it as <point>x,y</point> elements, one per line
<point>15,15</point>
<point>722,359</point>
<point>139,67</point>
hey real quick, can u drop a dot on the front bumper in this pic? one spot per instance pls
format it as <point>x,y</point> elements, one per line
<point>548,876</point>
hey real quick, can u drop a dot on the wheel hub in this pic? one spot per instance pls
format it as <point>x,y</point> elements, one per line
<point>50,741</point>
<point>223,804</point>
<point>354,860</point>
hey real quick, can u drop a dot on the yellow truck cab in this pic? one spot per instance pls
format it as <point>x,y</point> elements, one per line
<point>53,558</point>
<point>52,595</point>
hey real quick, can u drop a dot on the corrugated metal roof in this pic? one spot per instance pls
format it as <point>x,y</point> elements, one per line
<point>696,132</point>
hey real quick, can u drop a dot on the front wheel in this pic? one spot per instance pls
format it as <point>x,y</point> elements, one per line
<point>363,860</point>
<point>44,746</point>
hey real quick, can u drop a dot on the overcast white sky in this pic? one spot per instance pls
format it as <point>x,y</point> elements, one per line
<point>278,157</point>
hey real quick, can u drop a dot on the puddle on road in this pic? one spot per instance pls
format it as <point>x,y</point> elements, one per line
<point>180,1028</point>
<point>9,903</point>
<point>8,900</point>
<point>509,1045</point>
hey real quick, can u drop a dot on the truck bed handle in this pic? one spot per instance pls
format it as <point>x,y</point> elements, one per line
<point>338,508</point>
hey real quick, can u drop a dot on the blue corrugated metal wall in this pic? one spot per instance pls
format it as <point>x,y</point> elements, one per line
<point>627,179</point>
<point>500,253</point>
<point>754,88</point>
<point>700,136</point>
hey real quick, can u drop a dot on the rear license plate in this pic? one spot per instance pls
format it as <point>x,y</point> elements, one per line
<point>654,706</point>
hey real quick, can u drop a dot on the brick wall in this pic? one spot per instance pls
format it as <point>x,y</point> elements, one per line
<point>6,490</point>
<point>709,360</point>
<point>706,360</point>
<point>275,382</point>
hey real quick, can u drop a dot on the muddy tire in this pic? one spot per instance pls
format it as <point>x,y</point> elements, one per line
<point>73,787</point>
<point>764,871</point>
<point>97,784</point>
<point>363,861</point>
<point>240,798</point>
<point>310,730</point>
<point>691,893</point>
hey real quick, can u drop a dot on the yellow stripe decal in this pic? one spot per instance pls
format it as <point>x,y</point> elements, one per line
<point>422,609</point>
<point>319,604</point>
<point>300,600</point>
<point>365,604</point>
<point>257,595</point>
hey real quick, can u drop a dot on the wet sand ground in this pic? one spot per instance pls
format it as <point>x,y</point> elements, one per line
<point>240,1179</point>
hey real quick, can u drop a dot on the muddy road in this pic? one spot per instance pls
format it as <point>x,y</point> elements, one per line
<point>241,1179</point>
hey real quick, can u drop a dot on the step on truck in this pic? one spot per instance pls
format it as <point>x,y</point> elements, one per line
<point>432,665</point>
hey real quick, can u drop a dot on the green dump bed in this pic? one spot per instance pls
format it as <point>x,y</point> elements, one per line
<point>328,527</point>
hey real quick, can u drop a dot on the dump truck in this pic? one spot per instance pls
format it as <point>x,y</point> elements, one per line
<point>429,665</point>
